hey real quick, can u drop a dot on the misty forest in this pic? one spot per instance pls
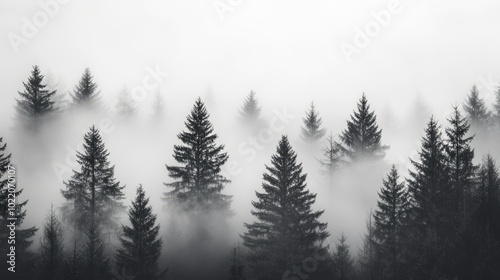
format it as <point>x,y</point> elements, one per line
<point>245,194</point>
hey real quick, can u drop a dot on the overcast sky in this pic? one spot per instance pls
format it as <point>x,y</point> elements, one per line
<point>278,48</point>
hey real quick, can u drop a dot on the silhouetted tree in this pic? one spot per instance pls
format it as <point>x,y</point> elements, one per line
<point>312,131</point>
<point>50,254</point>
<point>287,230</point>
<point>429,190</point>
<point>9,190</point>
<point>125,106</point>
<point>140,245</point>
<point>93,192</point>
<point>236,266</point>
<point>250,109</point>
<point>73,266</point>
<point>85,93</point>
<point>342,260</point>
<point>158,105</point>
<point>389,218</point>
<point>496,109</point>
<point>199,183</point>
<point>362,138</point>
<point>476,109</point>
<point>370,263</point>
<point>35,103</point>
<point>95,263</point>
<point>332,156</point>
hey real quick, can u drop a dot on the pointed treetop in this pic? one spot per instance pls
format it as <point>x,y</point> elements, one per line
<point>85,92</point>
<point>250,109</point>
<point>312,131</point>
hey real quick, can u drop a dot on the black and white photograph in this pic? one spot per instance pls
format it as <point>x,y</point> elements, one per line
<point>249,140</point>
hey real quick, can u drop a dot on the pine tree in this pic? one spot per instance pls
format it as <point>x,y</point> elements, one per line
<point>488,197</point>
<point>95,263</point>
<point>429,191</point>
<point>287,229</point>
<point>362,138</point>
<point>312,131</point>
<point>199,183</point>
<point>158,105</point>
<point>93,192</point>
<point>8,182</point>
<point>73,267</point>
<point>332,157</point>
<point>50,255</point>
<point>86,93</point>
<point>370,264</point>
<point>476,109</point>
<point>61,98</point>
<point>389,218</point>
<point>236,266</point>
<point>342,260</point>
<point>250,109</point>
<point>140,245</point>
<point>460,156</point>
<point>125,106</point>
<point>35,103</point>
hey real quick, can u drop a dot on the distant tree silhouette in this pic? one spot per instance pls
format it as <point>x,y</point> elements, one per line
<point>362,138</point>
<point>35,103</point>
<point>342,260</point>
<point>158,105</point>
<point>125,106</point>
<point>250,109</point>
<point>50,258</point>
<point>477,112</point>
<point>86,93</point>
<point>332,157</point>
<point>236,266</point>
<point>312,131</point>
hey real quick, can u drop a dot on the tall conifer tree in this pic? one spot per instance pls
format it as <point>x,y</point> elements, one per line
<point>86,93</point>
<point>50,258</point>
<point>312,131</point>
<point>342,260</point>
<point>250,110</point>
<point>476,109</point>
<point>362,138</point>
<point>287,230</point>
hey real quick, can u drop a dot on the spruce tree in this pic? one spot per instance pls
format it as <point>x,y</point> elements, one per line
<point>236,266</point>
<point>95,263</point>
<point>8,182</point>
<point>362,138</point>
<point>488,198</point>
<point>389,222</point>
<point>92,193</point>
<point>332,157</point>
<point>50,256</point>
<point>86,93</point>
<point>125,106</point>
<point>199,183</point>
<point>73,266</point>
<point>250,110</point>
<point>429,191</point>
<point>312,131</point>
<point>342,260</point>
<point>140,245</point>
<point>35,103</point>
<point>287,230</point>
<point>369,259</point>
<point>476,109</point>
<point>460,156</point>
<point>496,110</point>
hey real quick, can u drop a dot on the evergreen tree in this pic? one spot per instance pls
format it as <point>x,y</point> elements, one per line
<point>8,182</point>
<point>60,98</point>
<point>93,192</point>
<point>488,198</point>
<point>158,105</point>
<point>125,106</point>
<point>429,191</point>
<point>460,156</point>
<point>140,245</point>
<point>35,103</point>
<point>236,266</point>
<point>287,229</point>
<point>50,255</point>
<point>199,184</point>
<point>362,138</point>
<point>369,260</point>
<point>95,263</point>
<point>389,218</point>
<point>496,110</point>
<point>73,268</point>
<point>85,92</point>
<point>250,109</point>
<point>476,109</point>
<point>342,260</point>
<point>312,131</point>
<point>332,156</point>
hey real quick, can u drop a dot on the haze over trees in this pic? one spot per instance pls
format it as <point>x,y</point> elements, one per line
<point>312,131</point>
<point>86,94</point>
<point>250,110</point>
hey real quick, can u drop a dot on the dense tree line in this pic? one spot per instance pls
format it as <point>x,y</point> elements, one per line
<point>441,222</point>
